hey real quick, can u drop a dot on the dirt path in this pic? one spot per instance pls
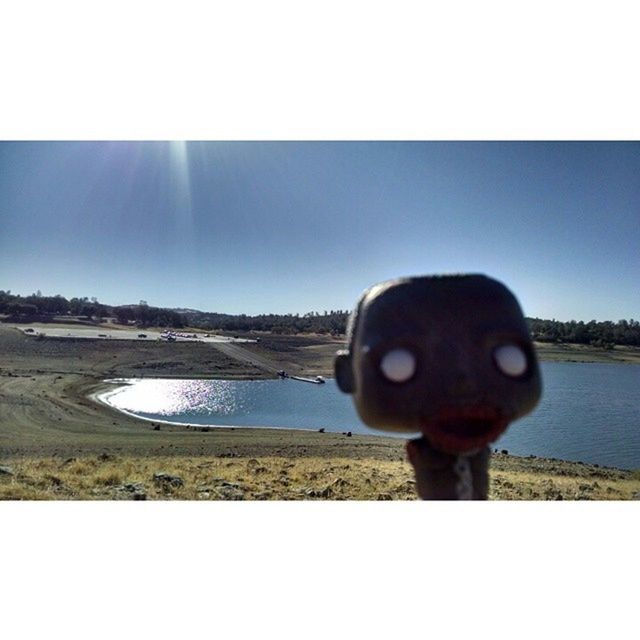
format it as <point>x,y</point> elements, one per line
<point>244,355</point>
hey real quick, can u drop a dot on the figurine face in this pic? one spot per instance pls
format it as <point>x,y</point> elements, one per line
<point>449,356</point>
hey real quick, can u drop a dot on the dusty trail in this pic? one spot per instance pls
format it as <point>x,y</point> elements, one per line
<point>244,355</point>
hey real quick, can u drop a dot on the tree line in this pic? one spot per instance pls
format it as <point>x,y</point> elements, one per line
<point>329,322</point>
<point>599,334</point>
<point>37,307</point>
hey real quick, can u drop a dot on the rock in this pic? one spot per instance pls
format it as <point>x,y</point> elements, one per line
<point>156,427</point>
<point>103,457</point>
<point>636,496</point>
<point>222,490</point>
<point>260,469</point>
<point>134,490</point>
<point>229,491</point>
<point>319,493</point>
<point>167,480</point>
<point>6,471</point>
<point>133,486</point>
<point>321,430</point>
<point>349,434</point>
<point>230,485</point>
<point>505,452</point>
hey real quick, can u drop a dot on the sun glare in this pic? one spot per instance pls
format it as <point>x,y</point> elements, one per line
<point>180,169</point>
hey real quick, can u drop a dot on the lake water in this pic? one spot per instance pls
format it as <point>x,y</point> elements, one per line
<point>589,412</point>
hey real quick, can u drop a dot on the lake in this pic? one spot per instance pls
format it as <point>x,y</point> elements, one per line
<point>588,413</point>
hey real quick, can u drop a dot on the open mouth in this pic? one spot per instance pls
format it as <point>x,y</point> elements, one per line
<point>464,429</point>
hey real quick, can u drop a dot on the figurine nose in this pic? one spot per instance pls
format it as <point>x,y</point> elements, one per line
<point>462,385</point>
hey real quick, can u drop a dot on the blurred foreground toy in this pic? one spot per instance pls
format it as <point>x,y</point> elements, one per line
<point>447,356</point>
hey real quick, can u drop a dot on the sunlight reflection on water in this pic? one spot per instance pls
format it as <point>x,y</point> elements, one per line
<point>175,397</point>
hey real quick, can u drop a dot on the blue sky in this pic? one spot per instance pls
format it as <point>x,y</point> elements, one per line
<point>292,227</point>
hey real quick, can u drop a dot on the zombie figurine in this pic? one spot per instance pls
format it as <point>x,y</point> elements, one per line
<point>447,356</point>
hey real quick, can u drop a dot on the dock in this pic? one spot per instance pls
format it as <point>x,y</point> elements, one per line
<point>284,375</point>
<point>311,380</point>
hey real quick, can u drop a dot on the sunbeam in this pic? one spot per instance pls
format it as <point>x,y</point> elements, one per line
<point>179,157</point>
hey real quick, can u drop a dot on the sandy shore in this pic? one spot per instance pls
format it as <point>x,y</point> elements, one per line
<point>47,418</point>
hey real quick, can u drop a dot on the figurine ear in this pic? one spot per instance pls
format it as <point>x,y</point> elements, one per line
<point>344,372</point>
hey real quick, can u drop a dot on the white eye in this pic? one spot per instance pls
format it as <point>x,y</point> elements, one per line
<point>398,365</point>
<point>511,360</point>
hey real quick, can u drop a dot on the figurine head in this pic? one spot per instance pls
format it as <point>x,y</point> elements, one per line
<point>449,356</point>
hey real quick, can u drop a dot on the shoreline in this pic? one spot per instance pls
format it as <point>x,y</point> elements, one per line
<point>98,397</point>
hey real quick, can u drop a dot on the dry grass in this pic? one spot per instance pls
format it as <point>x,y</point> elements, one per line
<point>218,478</point>
<point>534,486</point>
<point>275,478</point>
<point>566,352</point>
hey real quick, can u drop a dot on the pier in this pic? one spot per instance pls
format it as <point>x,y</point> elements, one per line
<point>317,380</point>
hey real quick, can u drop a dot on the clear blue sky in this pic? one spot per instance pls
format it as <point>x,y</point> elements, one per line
<point>294,227</point>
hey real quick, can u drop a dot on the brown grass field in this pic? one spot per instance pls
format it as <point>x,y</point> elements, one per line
<point>108,477</point>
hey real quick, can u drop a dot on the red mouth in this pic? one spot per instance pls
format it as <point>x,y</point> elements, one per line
<point>463,429</point>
